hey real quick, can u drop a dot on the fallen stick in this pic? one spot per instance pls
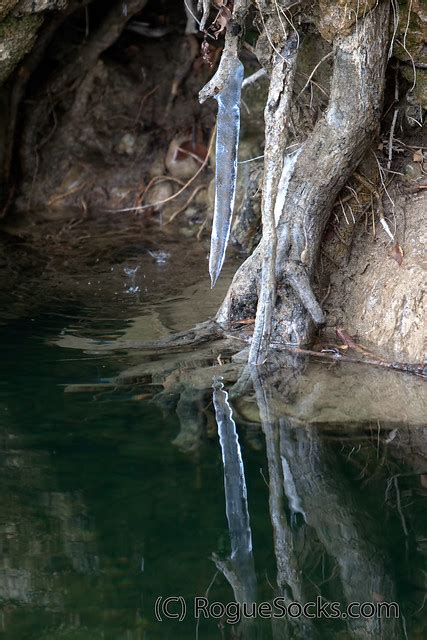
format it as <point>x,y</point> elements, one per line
<point>337,356</point>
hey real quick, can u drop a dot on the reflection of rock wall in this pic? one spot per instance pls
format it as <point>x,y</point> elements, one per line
<point>24,533</point>
<point>15,585</point>
<point>42,534</point>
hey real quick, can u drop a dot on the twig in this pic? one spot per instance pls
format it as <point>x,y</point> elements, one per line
<point>396,16</point>
<point>328,55</point>
<point>153,181</point>
<point>191,18</point>
<point>407,23</point>
<point>204,5</point>
<point>366,183</point>
<point>395,114</point>
<point>200,231</point>
<point>143,100</point>
<point>399,507</point>
<point>337,356</point>
<point>184,206</point>
<point>414,68</point>
<point>261,73</point>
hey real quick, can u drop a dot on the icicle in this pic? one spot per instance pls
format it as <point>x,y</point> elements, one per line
<point>227,145</point>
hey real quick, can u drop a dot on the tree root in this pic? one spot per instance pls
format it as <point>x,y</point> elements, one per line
<point>337,356</point>
<point>276,114</point>
<point>324,164</point>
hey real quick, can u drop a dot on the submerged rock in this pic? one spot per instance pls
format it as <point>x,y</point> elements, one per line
<point>347,395</point>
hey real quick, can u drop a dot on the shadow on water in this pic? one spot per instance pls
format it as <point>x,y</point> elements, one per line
<point>212,484</point>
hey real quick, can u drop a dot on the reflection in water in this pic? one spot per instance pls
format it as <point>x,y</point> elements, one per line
<point>307,470</point>
<point>239,568</point>
<point>289,574</point>
<point>105,504</point>
<point>307,479</point>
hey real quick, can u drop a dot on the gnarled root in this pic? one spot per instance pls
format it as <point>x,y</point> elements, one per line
<point>324,164</point>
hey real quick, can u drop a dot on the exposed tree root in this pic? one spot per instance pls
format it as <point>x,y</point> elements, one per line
<point>324,164</point>
<point>337,356</point>
<point>276,114</point>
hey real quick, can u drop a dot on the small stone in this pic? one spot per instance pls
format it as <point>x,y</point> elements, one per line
<point>157,168</point>
<point>179,160</point>
<point>127,144</point>
<point>412,171</point>
<point>188,232</point>
<point>159,192</point>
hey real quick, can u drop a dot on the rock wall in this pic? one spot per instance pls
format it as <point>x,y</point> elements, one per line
<point>19,25</point>
<point>378,299</point>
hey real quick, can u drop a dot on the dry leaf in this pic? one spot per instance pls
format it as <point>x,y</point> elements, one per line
<point>222,19</point>
<point>238,323</point>
<point>188,148</point>
<point>418,156</point>
<point>397,253</point>
<point>346,338</point>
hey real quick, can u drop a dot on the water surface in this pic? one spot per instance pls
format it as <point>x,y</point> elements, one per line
<point>104,509</point>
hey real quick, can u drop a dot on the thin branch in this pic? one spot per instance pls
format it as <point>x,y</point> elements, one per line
<point>261,73</point>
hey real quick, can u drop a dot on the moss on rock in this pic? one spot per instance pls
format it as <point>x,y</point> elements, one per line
<point>337,17</point>
<point>17,36</point>
<point>411,40</point>
<point>419,93</point>
<point>6,6</point>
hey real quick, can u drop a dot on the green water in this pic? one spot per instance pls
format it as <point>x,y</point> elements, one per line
<point>101,514</point>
